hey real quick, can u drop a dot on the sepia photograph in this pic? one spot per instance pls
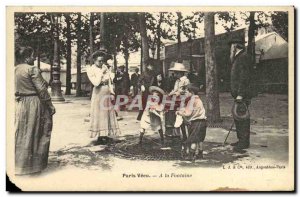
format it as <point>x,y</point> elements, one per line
<point>145,99</point>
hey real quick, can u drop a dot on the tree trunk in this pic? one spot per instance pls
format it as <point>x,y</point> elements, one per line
<point>144,37</point>
<point>126,57</point>
<point>91,38</point>
<point>51,58</point>
<point>251,37</point>
<point>212,93</point>
<point>39,52</point>
<point>68,72</point>
<point>115,62</point>
<point>179,57</point>
<point>126,54</point>
<point>78,81</point>
<point>102,29</point>
<point>141,66</point>
<point>159,41</point>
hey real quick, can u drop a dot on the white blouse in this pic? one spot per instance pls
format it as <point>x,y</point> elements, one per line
<point>97,75</point>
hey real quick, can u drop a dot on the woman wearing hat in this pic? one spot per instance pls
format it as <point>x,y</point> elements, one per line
<point>33,115</point>
<point>179,89</point>
<point>103,118</point>
<point>153,116</point>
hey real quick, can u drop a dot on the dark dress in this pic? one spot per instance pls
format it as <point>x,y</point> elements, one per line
<point>33,121</point>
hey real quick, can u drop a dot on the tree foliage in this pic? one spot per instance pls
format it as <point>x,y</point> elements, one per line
<point>280,23</point>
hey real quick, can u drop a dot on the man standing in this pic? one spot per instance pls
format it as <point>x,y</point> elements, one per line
<point>121,81</point>
<point>134,82</point>
<point>146,80</point>
<point>240,91</point>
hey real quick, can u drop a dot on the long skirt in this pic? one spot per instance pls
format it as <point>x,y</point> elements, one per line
<point>32,138</point>
<point>103,116</point>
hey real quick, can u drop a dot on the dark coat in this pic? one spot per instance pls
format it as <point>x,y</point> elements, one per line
<point>241,75</point>
<point>147,79</point>
<point>163,85</point>
<point>135,79</point>
<point>122,83</point>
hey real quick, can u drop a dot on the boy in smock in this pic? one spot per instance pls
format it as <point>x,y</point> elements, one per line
<point>194,117</point>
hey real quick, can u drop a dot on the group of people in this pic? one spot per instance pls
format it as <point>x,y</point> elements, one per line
<point>188,111</point>
<point>34,109</point>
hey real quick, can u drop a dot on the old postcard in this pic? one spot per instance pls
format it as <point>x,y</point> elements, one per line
<point>150,98</point>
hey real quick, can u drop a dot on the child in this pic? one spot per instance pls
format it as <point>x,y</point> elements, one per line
<point>194,117</point>
<point>153,115</point>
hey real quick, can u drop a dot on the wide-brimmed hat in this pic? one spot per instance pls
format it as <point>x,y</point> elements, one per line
<point>121,65</point>
<point>178,67</point>
<point>240,111</point>
<point>157,89</point>
<point>236,41</point>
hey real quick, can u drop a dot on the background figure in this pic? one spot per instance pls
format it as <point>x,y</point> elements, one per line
<point>103,118</point>
<point>240,90</point>
<point>122,84</point>
<point>172,80</point>
<point>135,82</point>
<point>195,79</point>
<point>160,82</point>
<point>146,80</point>
<point>33,115</point>
<point>179,89</point>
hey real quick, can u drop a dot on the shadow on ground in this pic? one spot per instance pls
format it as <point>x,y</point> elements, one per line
<point>87,157</point>
<point>215,154</point>
<point>96,156</point>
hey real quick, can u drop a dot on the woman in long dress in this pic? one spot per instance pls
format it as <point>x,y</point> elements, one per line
<point>103,118</point>
<point>33,116</point>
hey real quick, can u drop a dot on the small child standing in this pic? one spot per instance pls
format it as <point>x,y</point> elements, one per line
<point>194,117</point>
<point>153,116</point>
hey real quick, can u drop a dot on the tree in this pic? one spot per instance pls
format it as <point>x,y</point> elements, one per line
<point>144,38</point>
<point>91,38</point>
<point>31,29</point>
<point>78,81</point>
<point>281,23</point>
<point>161,15</point>
<point>179,21</point>
<point>68,56</point>
<point>251,37</point>
<point>129,40</point>
<point>212,93</point>
<point>102,28</point>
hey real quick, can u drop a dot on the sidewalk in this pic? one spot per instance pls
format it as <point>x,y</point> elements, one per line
<point>71,151</point>
<point>268,125</point>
